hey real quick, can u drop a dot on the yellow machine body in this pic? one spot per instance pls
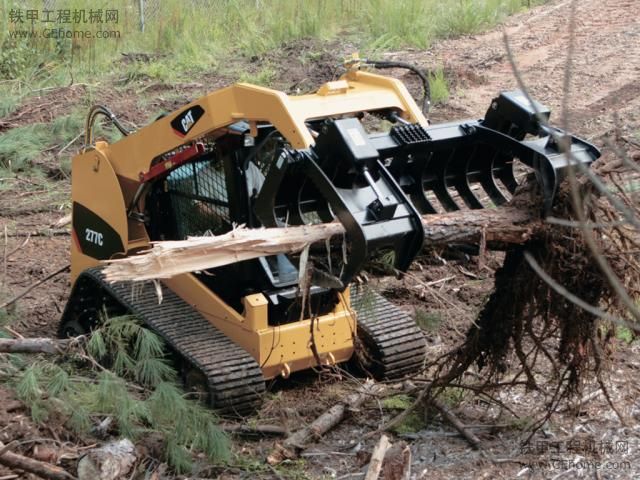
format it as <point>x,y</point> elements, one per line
<point>106,176</point>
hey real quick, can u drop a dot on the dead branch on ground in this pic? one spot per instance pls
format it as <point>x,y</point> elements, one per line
<point>34,285</point>
<point>254,430</point>
<point>295,443</point>
<point>26,464</point>
<point>49,346</point>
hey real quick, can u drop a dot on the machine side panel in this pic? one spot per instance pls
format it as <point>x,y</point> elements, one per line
<point>99,222</point>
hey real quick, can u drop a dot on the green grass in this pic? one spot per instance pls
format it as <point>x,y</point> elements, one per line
<point>8,104</point>
<point>397,402</point>
<point>414,422</point>
<point>439,86</point>
<point>452,396</point>
<point>197,38</point>
<point>20,145</point>
<point>264,77</point>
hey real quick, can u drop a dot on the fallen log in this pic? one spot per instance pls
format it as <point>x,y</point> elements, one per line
<point>26,464</point>
<point>501,226</point>
<point>34,345</point>
<point>295,443</point>
<point>109,462</point>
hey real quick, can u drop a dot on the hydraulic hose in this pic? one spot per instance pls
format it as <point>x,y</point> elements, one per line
<point>426,98</point>
<point>96,111</point>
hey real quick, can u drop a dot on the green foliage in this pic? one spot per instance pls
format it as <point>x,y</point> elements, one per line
<point>28,388</point>
<point>397,24</point>
<point>20,146</point>
<point>414,422</point>
<point>131,351</point>
<point>625,334</point>
<point>438,86</point>
<point>136,354</point>
<point>428,320</point>
<point>16,56</point>
<point>397,402</point>
<point>159,70</point>
<point>471,16</point>
<point>8,103</point>
<point>452,396</point>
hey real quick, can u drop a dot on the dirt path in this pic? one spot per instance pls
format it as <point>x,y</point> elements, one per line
<point>606,64</point>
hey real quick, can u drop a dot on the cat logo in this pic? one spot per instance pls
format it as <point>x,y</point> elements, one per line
<point>185,121</point>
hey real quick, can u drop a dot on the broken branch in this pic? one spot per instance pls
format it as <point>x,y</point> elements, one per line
<point>503,226</point>
<point>456,423</point>
<point>34,345</point>
<point>260,430</point>
<point>42,469</point>
<point>377,457</point>
<point>34,285</point>
<point>298,441</point>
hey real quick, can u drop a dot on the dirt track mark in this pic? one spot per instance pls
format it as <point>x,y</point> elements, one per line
<point>606,64</point>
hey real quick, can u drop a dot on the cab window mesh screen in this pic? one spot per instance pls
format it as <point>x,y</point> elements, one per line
<point>199,198</point>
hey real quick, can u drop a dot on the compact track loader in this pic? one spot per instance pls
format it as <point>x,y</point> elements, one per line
<point>255,156</point>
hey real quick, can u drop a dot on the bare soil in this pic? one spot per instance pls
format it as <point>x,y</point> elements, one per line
<point>604,99</point>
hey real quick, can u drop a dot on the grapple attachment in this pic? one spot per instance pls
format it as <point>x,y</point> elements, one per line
<point>473,164</point>
<point>377,185</point>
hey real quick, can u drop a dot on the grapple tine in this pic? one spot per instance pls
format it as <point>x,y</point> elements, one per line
<point>482,170</point>
<point>417,191</point>
<point>437,181</point>
<point>458,175</point>
<point>503,171</point>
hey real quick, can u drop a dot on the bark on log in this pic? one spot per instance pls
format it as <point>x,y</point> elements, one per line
<point>377,457</point>
<point>109,462</point>
<point>26,464</point>
<point>34,345</point>
<point>295,443</point>
<point>501,226</point>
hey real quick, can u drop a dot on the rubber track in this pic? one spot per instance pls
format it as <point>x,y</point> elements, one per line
<point>235,381</point>
<point>390,335</point>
